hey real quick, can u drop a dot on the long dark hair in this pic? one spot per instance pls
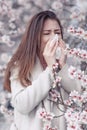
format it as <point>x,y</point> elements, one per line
<point>25,56</point>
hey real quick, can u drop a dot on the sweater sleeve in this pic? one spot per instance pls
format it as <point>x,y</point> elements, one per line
<point>26,99</point>
<point>68,83</point>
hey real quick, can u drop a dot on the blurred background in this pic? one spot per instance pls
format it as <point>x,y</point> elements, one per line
<point>14,16</point>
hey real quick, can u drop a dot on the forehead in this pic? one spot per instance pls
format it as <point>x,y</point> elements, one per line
<point>51,24</point>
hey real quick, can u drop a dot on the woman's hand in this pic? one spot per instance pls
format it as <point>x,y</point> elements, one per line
<point>49,52</point>
<point>63,56</point>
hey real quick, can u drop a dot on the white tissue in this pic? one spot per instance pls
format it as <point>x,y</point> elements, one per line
<point>58,53</point>
<point>55,38</point>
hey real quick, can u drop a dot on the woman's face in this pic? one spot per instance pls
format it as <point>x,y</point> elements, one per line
<point>50,28</point>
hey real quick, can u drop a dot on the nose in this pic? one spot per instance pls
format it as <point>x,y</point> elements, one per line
<point>52,35</point>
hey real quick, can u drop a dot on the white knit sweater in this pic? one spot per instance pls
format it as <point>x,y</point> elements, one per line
<point>27,101</point>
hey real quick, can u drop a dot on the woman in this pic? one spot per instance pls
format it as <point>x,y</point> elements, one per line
<point>29,73</point>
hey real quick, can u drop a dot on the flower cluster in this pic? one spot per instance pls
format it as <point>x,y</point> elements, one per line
<point>54,95</point>
<point>47,118</point>
<point>77,15</point>
<point>6,40</point>
<point>5,106</point>
<point>76,112</point>
<point>76,104</point>
<point>4,8</point>
<point>2,70</point>
<point>79,53</point>
<point>45,115</point>
<point>78,74</point>
<point>78,32</point>
<point>57,79</point>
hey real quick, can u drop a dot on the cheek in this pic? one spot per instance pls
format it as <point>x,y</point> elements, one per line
<point>60,37</point>
<point>43,43</point>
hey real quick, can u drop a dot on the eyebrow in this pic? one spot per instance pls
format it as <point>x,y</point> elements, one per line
<point>54,30</point>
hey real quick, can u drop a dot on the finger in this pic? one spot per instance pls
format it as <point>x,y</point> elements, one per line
<point>54,48</point>
<point>62,46</point>
<point>51,45</point>
<point>47,47</point>
<point>62,43</point>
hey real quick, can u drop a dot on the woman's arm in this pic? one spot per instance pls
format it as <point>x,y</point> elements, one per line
<point>26,99</point>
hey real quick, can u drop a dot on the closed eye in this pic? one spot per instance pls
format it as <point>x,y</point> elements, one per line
<point>57,32</point>
<point>46,33</point>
